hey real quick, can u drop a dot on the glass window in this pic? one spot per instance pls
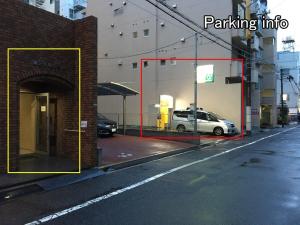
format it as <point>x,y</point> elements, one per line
<point>181,114</point>
<point>135,34</point>
<point>71,13</point>
<point>134,65</point>
<point>202,116</point>
<point>146,64</point>
<point>211,117</point>
<point>146,32</point>
<point>162,62</point>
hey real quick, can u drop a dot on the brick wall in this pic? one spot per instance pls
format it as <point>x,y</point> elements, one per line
<point>24,26</point>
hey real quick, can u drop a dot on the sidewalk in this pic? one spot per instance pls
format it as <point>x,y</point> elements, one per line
<point>118,152</point>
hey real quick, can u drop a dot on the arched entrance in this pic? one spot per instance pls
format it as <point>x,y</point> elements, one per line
<point>41,114</point>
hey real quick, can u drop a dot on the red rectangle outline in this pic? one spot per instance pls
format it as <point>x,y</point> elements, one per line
<point>241,136</point>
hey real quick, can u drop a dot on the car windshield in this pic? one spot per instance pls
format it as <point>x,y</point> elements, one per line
<point>216,116</point>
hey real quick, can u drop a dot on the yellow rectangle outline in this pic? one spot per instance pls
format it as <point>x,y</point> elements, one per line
<point>79,107</point>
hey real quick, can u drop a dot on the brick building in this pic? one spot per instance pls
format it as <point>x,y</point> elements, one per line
<point>44,85</point>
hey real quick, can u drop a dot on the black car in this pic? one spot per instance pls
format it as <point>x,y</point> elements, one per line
<point>105,126</point>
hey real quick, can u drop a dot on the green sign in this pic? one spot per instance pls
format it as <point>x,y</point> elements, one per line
<point>205,74</point>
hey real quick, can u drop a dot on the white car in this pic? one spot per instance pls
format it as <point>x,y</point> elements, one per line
<point>207,122</point>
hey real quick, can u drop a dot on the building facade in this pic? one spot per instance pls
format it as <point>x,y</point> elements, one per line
<point>289,60</point>
<point>72,9</point>
<point>40,110</point>
<point>269,86</point>
<point>134,30</point>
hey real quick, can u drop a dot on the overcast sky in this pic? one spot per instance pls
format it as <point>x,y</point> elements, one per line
<point>288,9</point>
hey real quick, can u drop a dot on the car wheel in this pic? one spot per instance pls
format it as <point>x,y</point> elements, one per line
<point>218,131</point>
<point>180,128</point>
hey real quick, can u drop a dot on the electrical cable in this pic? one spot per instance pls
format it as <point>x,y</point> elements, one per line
<point>200,27</point>
<point>145,52</point>
<point>185,24</point>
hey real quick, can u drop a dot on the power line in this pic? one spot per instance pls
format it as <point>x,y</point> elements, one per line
<point>146,52</point>
<point>200,27</point>
<point>153,14</point>
<point>185,24</point>
<point>211,40</point>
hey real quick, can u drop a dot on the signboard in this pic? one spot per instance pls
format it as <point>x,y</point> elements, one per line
<point>43,108</point>
<point>205,74</point>
<point>83,124</point>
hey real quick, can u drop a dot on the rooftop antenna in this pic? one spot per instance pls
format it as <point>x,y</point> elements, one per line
<point>288,44</point>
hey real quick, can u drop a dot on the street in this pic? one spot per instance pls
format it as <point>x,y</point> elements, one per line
<point>253,181</point>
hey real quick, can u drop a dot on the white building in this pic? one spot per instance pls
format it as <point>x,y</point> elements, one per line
<point>269,86</point>
<point>49,5</point>
<point>131,30</point>
<point>289,60</point>
<point>72,9</point>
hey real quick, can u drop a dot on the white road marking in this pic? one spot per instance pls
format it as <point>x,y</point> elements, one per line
<point>133,186</point>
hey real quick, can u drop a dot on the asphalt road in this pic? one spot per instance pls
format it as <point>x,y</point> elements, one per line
<point>254,181</point>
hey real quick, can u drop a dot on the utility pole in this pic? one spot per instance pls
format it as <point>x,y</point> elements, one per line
<point>285,72</point>
<point>281,96</point>
<point>195,85</point>
<point>248,98</point>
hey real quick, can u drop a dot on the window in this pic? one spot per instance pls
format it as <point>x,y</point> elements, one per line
<point>135,34</point>
<point>202,116</point>
<point>146,33</point>
<point>146,64</point>
<point>162,62</point>
<point>181,114</point>
<point>71,13</point>
<point>134,65</point>
<point>173,61</point>
<point>211,117</point>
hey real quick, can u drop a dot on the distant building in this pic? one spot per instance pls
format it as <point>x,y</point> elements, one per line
<point>72,9</point>
<point>290,60</point>
<point>269,86</point>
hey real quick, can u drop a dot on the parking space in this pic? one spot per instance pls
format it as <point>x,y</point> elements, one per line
<point>119,148</point>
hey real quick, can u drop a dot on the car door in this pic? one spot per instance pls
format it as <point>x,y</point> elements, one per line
<point>202,122</point>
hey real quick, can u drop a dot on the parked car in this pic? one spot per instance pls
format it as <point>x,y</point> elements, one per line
<point>207,122</point>
<point>105,126</point>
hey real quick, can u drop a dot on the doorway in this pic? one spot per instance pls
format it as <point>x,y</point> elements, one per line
<point>34,123</point>
<point>266,119</point>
